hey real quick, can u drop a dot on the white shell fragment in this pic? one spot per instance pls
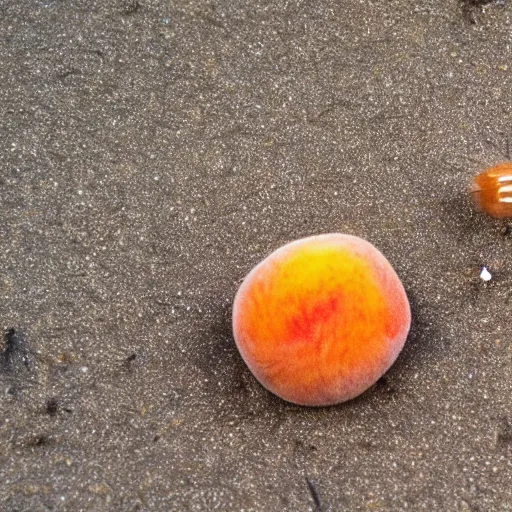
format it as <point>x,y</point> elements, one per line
<point>485,275</point>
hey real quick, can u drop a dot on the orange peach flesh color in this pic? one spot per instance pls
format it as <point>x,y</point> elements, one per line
<point>492,190</point>
<point>321,319</point>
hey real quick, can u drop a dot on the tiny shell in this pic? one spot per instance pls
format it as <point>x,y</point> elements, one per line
<point>492,190</point>
<point>485,275</point>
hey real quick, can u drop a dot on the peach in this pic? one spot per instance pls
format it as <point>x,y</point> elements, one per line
<point>321,319</point>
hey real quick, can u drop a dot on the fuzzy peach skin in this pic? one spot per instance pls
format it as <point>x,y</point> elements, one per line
<point>321,319</point>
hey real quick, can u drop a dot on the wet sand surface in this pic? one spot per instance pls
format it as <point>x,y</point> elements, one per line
<point>151,153</point>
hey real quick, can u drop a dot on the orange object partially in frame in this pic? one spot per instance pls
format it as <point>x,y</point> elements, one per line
<point>492,190</point>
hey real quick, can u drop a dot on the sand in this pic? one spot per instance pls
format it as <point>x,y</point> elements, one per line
<point>151,153</point>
